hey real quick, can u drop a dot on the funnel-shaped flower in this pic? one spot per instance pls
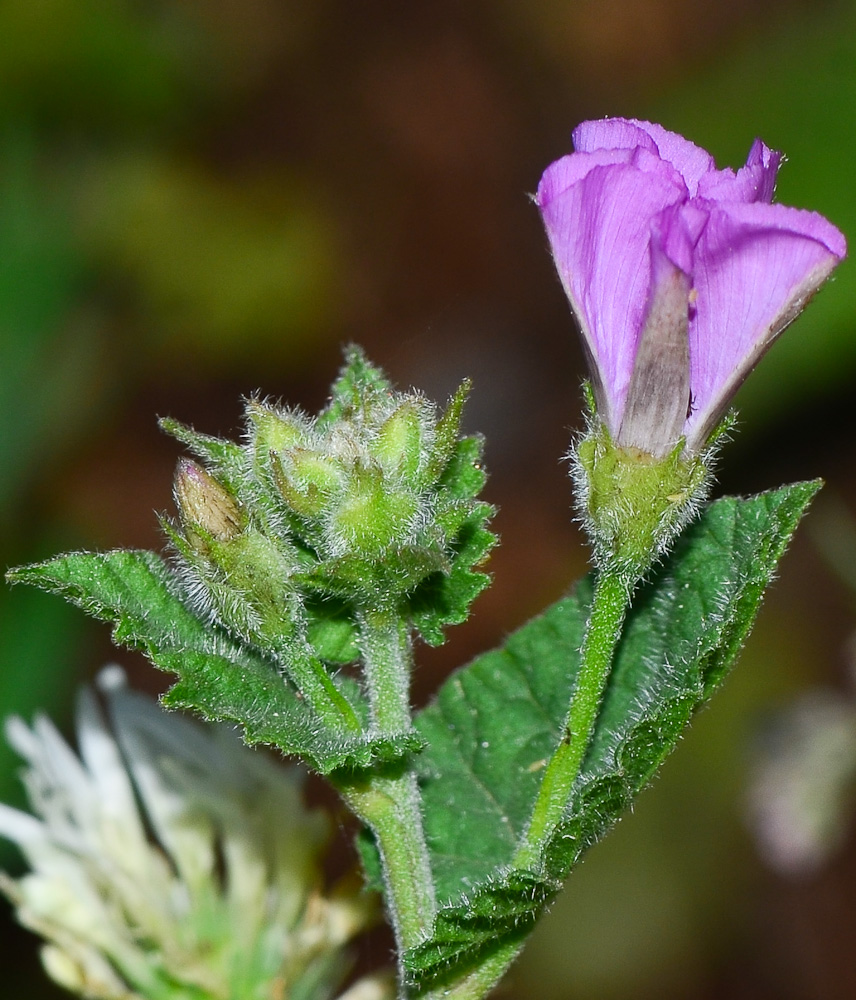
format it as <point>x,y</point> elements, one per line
<point>681,275</point>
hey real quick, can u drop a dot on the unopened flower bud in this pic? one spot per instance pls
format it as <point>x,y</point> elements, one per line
<point>399,443</point>
<point>204,503</point>
<point>315,472</point>
<point>372,517</point>
<point>306,480</point>
<point>274,429</point>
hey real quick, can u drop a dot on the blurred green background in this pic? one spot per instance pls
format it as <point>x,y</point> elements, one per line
<point>203,199</point>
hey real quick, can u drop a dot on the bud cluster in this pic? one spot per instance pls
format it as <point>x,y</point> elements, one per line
<point>234,572</point>
<point>369,506</point>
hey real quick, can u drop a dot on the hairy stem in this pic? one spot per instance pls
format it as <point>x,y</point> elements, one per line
<point>609,606</point>
<point>391,808</point>
<point>388,662</point>
<point>389,803</point>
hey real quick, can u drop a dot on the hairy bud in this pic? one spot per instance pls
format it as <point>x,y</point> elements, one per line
<point>205,504</point>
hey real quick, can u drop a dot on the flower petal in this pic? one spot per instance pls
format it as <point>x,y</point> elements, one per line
<point>691,161</point>
<point>148,738</point>
<point>119,820</point>
<point>755,181</point>
<point>22,828</point>
<point>757,266</point>
<point>612,133</point>
<point>598,221</point>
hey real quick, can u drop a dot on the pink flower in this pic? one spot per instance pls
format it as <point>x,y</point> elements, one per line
<point>680,275</point>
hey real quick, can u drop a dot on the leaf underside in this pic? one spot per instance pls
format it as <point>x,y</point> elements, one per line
<point>495,722</point>
<point>222,678</point>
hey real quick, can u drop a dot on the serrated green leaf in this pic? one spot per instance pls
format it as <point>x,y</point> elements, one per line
<point>496,722</point>
<point>331,631</point>
<point>218,676</point>
<point>464,477</point>
<point>444,598</point>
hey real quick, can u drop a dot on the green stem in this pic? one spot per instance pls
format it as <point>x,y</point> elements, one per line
<point>609,606</point>
<point>391,808</point>
<point>390,803</point>
<point>388,660</point>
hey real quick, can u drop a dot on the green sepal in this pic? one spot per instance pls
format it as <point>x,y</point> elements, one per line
<point>369,516</point>
<point>447,431</point>
<point>399,444</point>
<point>379,583</point>
<point>632,505</point>
<point>219,677</point>
<point>495,723</point>
<point>274,428</point>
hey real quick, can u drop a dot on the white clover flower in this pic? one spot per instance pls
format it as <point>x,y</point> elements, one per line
<point>169,862</point>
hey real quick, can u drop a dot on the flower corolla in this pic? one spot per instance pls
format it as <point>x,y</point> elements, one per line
<point>680,275</point>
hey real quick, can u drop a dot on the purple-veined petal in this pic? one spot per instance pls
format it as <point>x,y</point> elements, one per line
<point>677,230</point>
<point>612,133</point>
<point>756,267</point>
<point>755,181</point>
<point>599,229</point>
<point>691,161</point>
<point>571,169</point>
